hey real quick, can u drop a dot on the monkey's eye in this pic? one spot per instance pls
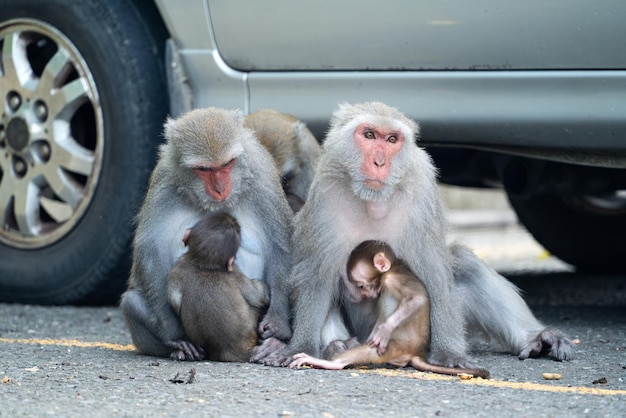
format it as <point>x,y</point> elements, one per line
<point>202,168</point>
<point>229,163</point>
<point>369,135</point>
<point>392,139</point>
<point>361,287</point>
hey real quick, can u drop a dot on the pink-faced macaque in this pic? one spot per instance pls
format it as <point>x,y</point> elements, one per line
<point>218,306</point>
<point>209,163</point>
<point>373,182</point>
<point>401,334</point>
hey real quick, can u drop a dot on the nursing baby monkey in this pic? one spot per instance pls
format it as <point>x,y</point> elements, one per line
<point>373,182</point>
<point>401,334</point>
<point>219,307</point>
<point>209,163</point>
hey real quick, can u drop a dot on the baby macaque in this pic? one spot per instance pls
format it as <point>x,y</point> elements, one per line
<point>401,334</point>
<point>219,307</point>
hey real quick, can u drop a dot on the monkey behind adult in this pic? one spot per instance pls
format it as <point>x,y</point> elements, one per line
<point>293,147</point>
<point>209,163</point>
<point>401,334</point>
<point>218,306</point>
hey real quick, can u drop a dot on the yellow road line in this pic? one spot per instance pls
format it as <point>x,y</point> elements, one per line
<point>498,383</point>
<point>385,372</point>
<point>69,343</point>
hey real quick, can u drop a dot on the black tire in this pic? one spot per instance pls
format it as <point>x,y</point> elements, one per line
<point>585,231</point>
<point>73,247</point>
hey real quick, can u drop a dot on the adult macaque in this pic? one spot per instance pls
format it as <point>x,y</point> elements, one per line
<point>293,147</point>
<point>218,306</point>
<point>372,182</point>
<point>210,163</point>
<point>401,334</point>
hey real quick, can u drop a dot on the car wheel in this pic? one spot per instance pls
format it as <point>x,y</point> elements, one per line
<point>588,232</point>
<point>82,103</point>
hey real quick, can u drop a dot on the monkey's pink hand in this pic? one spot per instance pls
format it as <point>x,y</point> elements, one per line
<point>303,359</point>
<point>300,359</point>
<point>379,338</point>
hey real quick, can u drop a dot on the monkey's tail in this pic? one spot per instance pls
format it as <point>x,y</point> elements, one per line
<point>422,365</point>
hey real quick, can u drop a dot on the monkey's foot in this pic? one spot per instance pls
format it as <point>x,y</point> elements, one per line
<point>274,326</point>
<point>339,346</point>
<point>265,349</point>
<point>549,343</point>
<point>272,352</point>
<point>185,351</point>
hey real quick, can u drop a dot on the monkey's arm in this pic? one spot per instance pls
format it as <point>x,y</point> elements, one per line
<point>410,301</point>
<point>303,359</point>
<point>255,292</point>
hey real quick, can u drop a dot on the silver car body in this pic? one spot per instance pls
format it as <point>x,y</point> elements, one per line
<point>521,77</point>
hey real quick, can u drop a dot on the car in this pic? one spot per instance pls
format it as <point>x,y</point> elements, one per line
<point>526,96</point>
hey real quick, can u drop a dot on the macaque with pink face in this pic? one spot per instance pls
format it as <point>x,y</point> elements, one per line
<point>373,182</point>
<point>209,163</point>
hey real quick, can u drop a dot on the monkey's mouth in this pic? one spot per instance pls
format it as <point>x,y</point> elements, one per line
<point>374,184</point>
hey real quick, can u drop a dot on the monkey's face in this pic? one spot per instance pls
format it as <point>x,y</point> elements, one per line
<point>371,140</point>
<point>366,279</point>
<point>378,146</point>
<point>207,145</point>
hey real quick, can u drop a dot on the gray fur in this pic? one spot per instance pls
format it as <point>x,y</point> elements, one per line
<point>407,214</point>
<point>176,200</point>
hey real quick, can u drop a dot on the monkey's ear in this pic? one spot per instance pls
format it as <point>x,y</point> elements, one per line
<point>229,267</point>
<point>186,237</point>
<point>169,128</point>
<point>381,262</point>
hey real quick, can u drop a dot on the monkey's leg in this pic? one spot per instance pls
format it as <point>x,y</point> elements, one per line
<point>146,329</point>
<point>307,331</point>
<point>142,324</point>
<point>493,304</point>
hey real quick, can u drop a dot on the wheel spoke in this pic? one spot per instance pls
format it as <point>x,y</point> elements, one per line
<point>65,187</point>
<point>70,155</point>
<point>65,101</point>
<point>55,70</point>
<point>7,190</point>
<point>27,210</point>
<point>15,66</point>
<point>59,211</point>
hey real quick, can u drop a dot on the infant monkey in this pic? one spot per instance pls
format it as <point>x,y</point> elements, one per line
<point>401,334</point>
<point>218,305</point>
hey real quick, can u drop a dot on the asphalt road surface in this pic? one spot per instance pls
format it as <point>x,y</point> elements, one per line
<point>77,361</point>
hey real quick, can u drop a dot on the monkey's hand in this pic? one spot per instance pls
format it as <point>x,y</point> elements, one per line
<point>185,351</point>
<point>274,325</point>
<point>379,337</point>
<point>303,359</point>
<point>549,343</point>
